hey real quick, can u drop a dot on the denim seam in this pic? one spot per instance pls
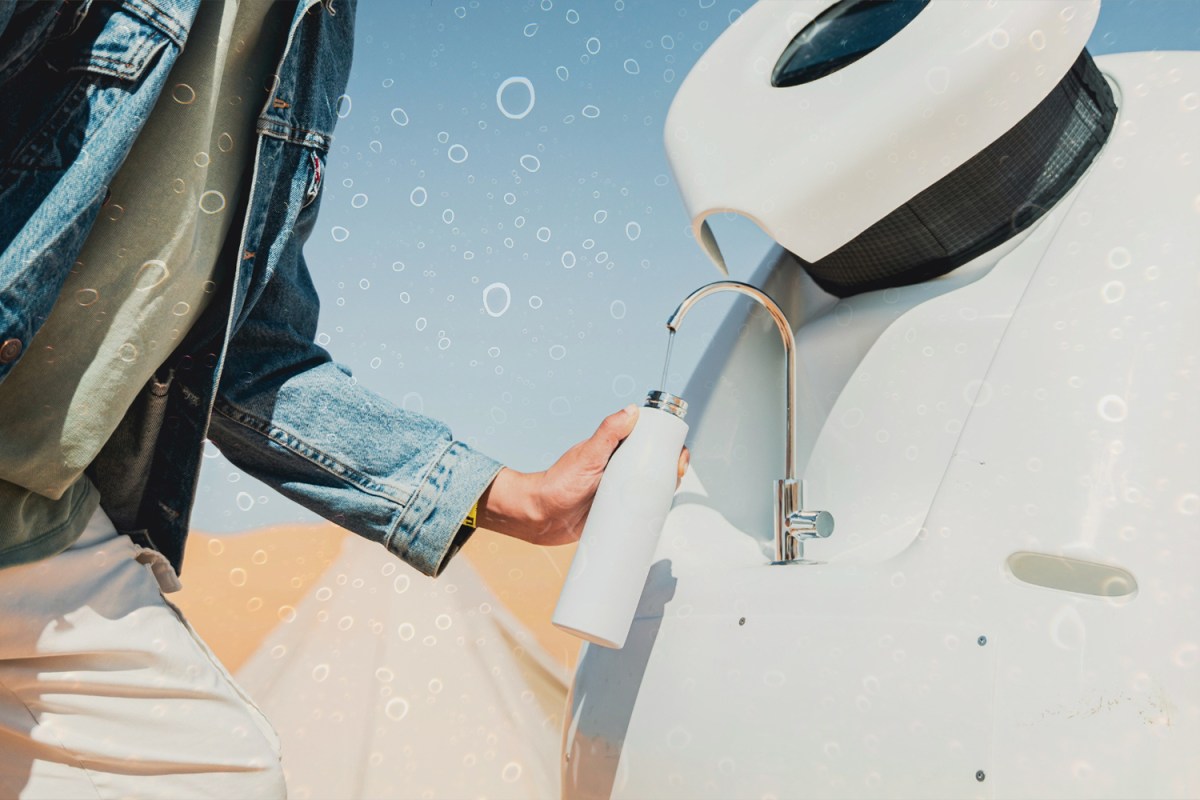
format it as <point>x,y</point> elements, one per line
<point>127,69</point>
<point>281,130</point>
<point>160,18</point>
<point>407,527</point>
<point>298,447</point>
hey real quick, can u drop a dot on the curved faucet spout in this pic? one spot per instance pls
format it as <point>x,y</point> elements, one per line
<point>792,524</point>
<point>789,350</point>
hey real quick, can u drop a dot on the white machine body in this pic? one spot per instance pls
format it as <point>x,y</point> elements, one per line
<point>1010,603</point>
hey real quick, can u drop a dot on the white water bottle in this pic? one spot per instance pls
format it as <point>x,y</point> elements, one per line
<point>604,585</point>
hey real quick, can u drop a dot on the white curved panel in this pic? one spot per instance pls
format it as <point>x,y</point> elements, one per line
<point>814,168</point>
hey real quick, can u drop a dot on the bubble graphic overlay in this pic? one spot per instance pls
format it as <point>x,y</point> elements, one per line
<point>516,81</point>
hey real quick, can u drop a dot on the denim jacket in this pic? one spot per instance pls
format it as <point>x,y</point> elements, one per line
<point>77,80</point>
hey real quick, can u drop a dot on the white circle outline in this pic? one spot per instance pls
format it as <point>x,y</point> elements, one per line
<point>503,287</point>
<point>509,82</point>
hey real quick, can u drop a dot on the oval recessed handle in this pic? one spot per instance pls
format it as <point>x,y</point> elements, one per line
<point>1071,575</point>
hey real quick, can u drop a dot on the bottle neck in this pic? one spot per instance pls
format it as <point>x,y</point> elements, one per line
<point>665,401</point>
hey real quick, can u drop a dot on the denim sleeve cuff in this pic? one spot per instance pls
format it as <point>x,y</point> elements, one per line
<point>426,534</point>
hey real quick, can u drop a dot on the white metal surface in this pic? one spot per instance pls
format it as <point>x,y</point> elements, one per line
<point>1030,419</point>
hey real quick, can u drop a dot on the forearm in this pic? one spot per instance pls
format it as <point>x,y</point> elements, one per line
<point>510,505</point>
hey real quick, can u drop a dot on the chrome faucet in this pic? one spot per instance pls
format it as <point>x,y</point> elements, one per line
<point>793,525</point>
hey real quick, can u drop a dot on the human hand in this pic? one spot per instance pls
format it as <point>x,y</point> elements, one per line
<point>550,507</point>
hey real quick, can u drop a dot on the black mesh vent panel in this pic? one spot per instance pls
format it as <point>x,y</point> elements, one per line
<point>990,198</point>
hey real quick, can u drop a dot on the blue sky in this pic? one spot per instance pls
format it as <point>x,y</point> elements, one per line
<point>500,239</point>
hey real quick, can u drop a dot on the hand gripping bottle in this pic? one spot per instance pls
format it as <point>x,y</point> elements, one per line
<point>604,585</point>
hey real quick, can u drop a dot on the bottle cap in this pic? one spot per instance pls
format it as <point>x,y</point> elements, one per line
<point>666,402</point>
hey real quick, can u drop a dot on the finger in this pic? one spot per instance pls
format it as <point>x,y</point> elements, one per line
<point>685,458</point>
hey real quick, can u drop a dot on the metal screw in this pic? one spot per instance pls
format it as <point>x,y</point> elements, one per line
<point>979,776</point>
<point>982,641</point>
<point>742,621</point>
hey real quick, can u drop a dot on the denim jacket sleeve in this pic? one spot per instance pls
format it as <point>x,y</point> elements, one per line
<point>290,416</point>
<point>284,411</point>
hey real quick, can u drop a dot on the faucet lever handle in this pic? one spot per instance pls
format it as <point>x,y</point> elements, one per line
<point>810,524</point>
<point>793,524</point>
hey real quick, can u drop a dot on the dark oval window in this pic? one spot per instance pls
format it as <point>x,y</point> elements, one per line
<point>841,35</point>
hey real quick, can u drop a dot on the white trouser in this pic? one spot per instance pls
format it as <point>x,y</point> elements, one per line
<point>107,692</point>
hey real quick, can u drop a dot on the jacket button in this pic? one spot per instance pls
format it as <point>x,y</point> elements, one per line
<point>10,350</point>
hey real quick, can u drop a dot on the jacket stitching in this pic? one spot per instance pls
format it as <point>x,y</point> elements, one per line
<point>128,62</point>
<point>311,140</point>
<point>403,525</point>
<point>160,18</point>
<point>135,62</point>
<point>312,455</point>
<point>281,130</point>
<point>127,69</point>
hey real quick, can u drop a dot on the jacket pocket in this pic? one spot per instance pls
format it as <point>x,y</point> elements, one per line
<point>115,41</point>
<point>64,99</point>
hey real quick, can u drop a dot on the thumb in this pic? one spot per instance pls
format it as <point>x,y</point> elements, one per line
<point>612,432</point>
